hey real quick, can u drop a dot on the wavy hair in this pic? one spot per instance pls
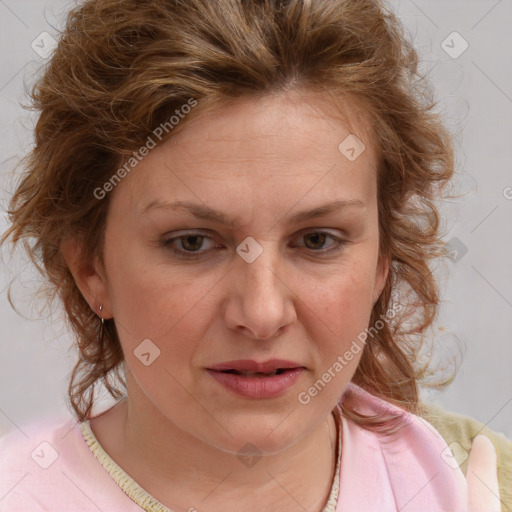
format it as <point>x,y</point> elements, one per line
<point>121,68</point>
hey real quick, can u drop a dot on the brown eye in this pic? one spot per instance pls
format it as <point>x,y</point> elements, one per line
<point>315,241</point>
<point>191,242</point>
<point>195,245</point>
<point>189,245</point>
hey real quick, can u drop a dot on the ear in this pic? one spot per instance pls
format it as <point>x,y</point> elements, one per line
<point>89,277</point>
<point>381,276</point>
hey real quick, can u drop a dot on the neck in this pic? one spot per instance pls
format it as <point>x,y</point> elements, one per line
<point>179,470</point>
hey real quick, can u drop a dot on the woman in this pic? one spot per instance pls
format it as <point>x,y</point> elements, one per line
<point>235,203</point>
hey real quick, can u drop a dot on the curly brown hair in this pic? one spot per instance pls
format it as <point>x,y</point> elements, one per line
<point>122,67</point>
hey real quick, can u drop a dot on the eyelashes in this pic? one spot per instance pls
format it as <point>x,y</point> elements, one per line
<point>192,242</point>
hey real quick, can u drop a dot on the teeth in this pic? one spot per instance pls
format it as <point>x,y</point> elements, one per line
<point>247,373</point>
<point>257,374</point>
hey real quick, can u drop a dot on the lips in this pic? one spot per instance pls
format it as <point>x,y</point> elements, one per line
<point>257,380</point>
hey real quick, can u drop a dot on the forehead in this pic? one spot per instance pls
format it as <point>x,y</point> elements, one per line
<point>281,143</point>
<point>314,120</point>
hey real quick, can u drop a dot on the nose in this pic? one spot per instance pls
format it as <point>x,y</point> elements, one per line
<point>260,302</point>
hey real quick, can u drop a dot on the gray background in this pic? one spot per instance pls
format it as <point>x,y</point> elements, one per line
<point>475,97</point>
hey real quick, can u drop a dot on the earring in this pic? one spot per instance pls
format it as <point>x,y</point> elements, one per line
<point>101,336</point>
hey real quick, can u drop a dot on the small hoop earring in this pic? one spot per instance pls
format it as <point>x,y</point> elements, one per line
<point>102,319</point>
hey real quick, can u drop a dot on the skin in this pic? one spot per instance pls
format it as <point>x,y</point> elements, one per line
<point>482,476</point>
<point>178,432</point>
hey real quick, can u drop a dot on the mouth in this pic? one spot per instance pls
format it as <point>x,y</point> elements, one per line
<point>257,380</point>
<point>247,373</point>
<point>251,368</point>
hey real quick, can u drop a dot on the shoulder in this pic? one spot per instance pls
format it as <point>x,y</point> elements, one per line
<point>35,438</point>
<point>29,455</point>
<point>459,430</point>
<point>47,465</point>
<point>396,452</point>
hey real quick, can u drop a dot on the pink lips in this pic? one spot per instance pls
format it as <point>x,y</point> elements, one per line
<point>254,379</point>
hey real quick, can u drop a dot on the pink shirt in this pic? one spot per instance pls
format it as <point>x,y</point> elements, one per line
<point>54,469</point>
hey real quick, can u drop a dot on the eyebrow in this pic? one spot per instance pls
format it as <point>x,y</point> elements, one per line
<point>207,213</point>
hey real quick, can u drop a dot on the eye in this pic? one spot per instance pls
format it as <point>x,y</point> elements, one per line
<point>189,245</point>
<point>315,241</point>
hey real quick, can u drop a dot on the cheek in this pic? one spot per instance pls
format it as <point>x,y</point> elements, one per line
<point>347,289</point>
<point>339,308</point>
<point>336,321</point>
<point>157,308</point>
<point>151,300</point>
<point>159,323</point>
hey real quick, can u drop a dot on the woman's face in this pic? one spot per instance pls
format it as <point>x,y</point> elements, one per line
<point>254,283</point>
